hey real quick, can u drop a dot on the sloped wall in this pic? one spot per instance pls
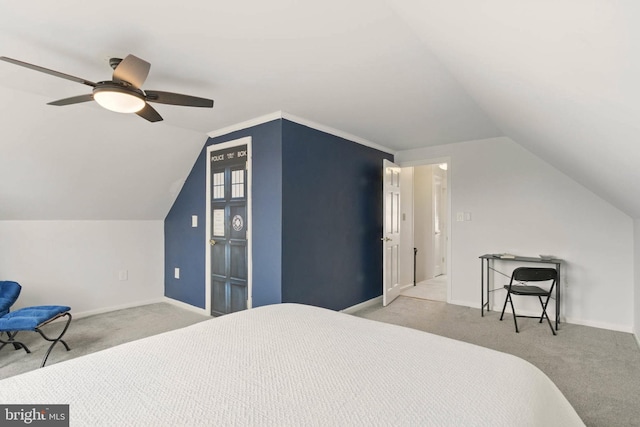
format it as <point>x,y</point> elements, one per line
<point>185,245</point>
<point>520,204</point>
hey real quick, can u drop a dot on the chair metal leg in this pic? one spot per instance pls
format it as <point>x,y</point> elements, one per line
<point>543,308</point>
<point>505,305</point>
<point>544,314</point>
<point>54,341</point>
<point>17,345</point>
<point>513,310</point>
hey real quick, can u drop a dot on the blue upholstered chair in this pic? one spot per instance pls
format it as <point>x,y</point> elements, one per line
<point>28,319</point>
<point>9,292</point>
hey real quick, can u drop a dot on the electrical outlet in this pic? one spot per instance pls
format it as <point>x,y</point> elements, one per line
<point>123,275</point>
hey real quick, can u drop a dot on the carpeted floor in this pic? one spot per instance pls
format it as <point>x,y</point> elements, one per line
<point>596,369</point>
<point>94,333</point>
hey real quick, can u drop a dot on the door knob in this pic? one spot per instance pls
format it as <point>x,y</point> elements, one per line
<point>212,242</point>
<point>386,239</point>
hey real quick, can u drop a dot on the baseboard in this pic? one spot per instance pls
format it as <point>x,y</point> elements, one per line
<point>464,303</point>
<point>365,304</point>
<point>637,340</point>
<point>601,325</point>
<point>115,308</point>
<point>574,321</point>
<point>186,306</point>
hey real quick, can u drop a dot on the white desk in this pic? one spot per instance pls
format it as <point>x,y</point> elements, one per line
<point>490,261</point>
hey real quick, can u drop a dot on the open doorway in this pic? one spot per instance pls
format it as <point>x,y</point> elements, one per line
<point>425,231</point>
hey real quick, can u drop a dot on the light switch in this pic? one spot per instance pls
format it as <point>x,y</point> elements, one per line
<point>467,216</point>
<point>194,220</point>
<point>176,273</point>
<point>460,216</point>
<point>123,275</point>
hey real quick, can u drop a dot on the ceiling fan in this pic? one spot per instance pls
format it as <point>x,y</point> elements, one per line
<point>123,93</point>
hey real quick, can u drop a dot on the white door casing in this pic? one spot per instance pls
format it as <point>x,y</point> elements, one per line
<point>391,232</point>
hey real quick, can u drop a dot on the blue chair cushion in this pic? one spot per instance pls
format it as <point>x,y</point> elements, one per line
<point>9,292</point>
<point>28,318</point>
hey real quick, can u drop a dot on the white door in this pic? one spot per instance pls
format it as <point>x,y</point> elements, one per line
<point>391,233</point>
<point>437,226</point>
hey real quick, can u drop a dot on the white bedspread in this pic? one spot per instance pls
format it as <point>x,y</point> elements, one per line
<point>296,365</point>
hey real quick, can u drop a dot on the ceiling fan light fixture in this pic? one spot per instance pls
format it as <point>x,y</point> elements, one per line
<point>118,99</point>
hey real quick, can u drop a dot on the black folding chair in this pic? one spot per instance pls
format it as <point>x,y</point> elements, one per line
<point>516,286</point>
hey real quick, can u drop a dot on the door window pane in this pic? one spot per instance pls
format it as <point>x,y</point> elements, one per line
<point>237,183</point>
<point>218,185</point>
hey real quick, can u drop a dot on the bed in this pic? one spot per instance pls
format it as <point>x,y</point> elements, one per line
<point>291,364</point>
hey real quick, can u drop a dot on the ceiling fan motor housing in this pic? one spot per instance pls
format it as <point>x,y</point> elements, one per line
<point>114,62</point>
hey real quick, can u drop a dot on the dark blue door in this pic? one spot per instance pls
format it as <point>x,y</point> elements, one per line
<point>228,238</point>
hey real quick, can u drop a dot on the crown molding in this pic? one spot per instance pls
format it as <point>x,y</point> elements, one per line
<point>301,121</point>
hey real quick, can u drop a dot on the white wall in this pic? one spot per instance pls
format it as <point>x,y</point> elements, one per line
<point>77,263</point>
<point>520,204</point>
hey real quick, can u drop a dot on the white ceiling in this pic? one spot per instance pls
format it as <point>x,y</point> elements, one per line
<point>558,77</point>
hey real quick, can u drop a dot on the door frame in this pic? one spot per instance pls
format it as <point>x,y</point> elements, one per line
<point>207,265</point>
<point>435,162</point>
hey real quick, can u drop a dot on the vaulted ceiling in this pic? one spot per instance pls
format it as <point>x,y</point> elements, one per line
<point>558,77</point>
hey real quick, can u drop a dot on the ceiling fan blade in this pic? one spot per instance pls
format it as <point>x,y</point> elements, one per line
<point>48,71</point>
<point>133,70</point>
<point>73,100</point>
<point>178,99</point>
<point>149,113</point>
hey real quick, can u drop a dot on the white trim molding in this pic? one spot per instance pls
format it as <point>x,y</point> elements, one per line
<point>301,121</point>
<point>246,124</point>
<point>186,306</point>
<point>115,308</point>
<point>369,303</point>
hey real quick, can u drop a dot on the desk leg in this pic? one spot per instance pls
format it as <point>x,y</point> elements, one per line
<point>488,286</point>
<point>558,296</point>
<point>481,287</point>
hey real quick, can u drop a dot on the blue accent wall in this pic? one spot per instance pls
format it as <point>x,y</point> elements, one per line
<point>317,220</point>
<point>332,219</point>
<point>185,246</point>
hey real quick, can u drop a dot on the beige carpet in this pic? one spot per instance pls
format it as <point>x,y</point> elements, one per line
<point>597,370</point>
<point>94,333</point>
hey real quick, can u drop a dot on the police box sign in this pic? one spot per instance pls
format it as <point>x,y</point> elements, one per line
<point>233,155</point>
<point>34,415</point>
